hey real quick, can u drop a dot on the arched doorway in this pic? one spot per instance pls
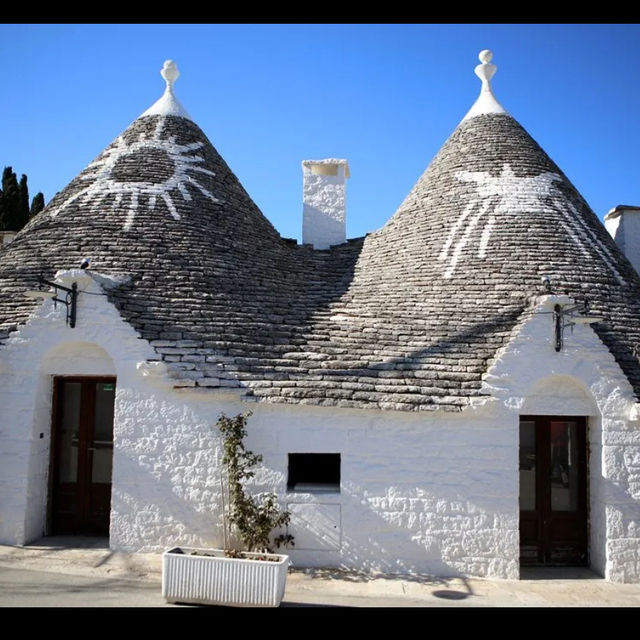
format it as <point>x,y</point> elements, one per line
<point>81,380</point>
<point>82,454</point>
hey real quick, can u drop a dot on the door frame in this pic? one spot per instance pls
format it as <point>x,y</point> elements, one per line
<point>54,452</point>
<point>543,488</point>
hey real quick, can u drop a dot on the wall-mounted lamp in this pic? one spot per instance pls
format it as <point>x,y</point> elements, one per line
<point>568,317</point>
<point>70,299</point>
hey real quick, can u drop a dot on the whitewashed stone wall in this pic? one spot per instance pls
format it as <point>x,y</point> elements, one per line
<point>417,495</point>
<point>529,377</point>
<point>435,493</point>
<point>100,344</point>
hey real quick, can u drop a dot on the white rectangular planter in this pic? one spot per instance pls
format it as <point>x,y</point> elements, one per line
<point>216,579</point>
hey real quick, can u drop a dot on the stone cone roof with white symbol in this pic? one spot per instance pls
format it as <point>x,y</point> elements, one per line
<point>462,259</point>
<point>205,271</point>
<point>408,318</point>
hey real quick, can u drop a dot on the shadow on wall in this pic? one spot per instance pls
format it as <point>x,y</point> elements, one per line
<point>164,495</point>
<point>168,493</point>
<point>414,532</point>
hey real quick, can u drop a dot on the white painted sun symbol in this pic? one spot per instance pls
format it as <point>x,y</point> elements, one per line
<point>110,175</point>
<point>508,194</point>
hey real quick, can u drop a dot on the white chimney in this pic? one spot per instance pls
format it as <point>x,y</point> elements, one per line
<point>623,223</point>
<point>324,190</point>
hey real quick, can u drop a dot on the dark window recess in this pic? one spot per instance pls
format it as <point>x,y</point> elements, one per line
<point>314,472</point>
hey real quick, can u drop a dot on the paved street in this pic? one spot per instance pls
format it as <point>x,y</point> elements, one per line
<point>84,572</point>
<point>28,588</point>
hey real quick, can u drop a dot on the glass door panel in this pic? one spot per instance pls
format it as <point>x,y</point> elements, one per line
<point>103,433</point>
<point>70,432</point>
<point>527,465</point>
<point>564,466</point>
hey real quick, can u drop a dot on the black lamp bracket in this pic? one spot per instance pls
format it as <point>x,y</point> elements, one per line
<point>70,299</point>
<point>563,318</point>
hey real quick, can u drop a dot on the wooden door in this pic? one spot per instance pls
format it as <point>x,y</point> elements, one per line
<point>553,491</point>
<point>82,454</point>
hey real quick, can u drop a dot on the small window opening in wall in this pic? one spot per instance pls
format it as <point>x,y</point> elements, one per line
<point>314,472</point>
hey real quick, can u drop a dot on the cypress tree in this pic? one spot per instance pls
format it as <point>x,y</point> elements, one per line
<point>2,210</point>
<point>10,200</point>
<point>23,204</point>
<point>6,177</point>
<point>14,202</point>
<point>37,204</point>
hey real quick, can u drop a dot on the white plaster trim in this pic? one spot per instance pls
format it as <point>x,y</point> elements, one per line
<point>485,103</point>
<point>167,105</point>
<point>110,281</point>
<point>530,356</point>
<point>337,161</point>
<point>153,369</point>
<point>547,302</point>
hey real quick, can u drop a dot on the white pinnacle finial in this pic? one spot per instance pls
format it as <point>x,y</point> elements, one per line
<point>168,105</point>
<point>486,102</point>
<point>486,70</point>
<point>170,73</point>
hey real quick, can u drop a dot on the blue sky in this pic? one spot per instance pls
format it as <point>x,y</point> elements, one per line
<point>385,97</point>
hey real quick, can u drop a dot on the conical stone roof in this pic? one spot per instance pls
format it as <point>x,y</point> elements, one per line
<point>208,280</point>
<point>456,268</point>
<point>408,318</point>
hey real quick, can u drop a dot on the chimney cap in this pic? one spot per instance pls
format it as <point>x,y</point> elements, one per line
<point>328,163</point>
<point>616,211</point>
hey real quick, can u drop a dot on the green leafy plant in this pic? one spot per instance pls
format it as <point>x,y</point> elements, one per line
<point>253,518</point>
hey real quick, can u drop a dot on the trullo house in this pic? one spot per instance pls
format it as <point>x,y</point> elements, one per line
<point>456,393</point>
